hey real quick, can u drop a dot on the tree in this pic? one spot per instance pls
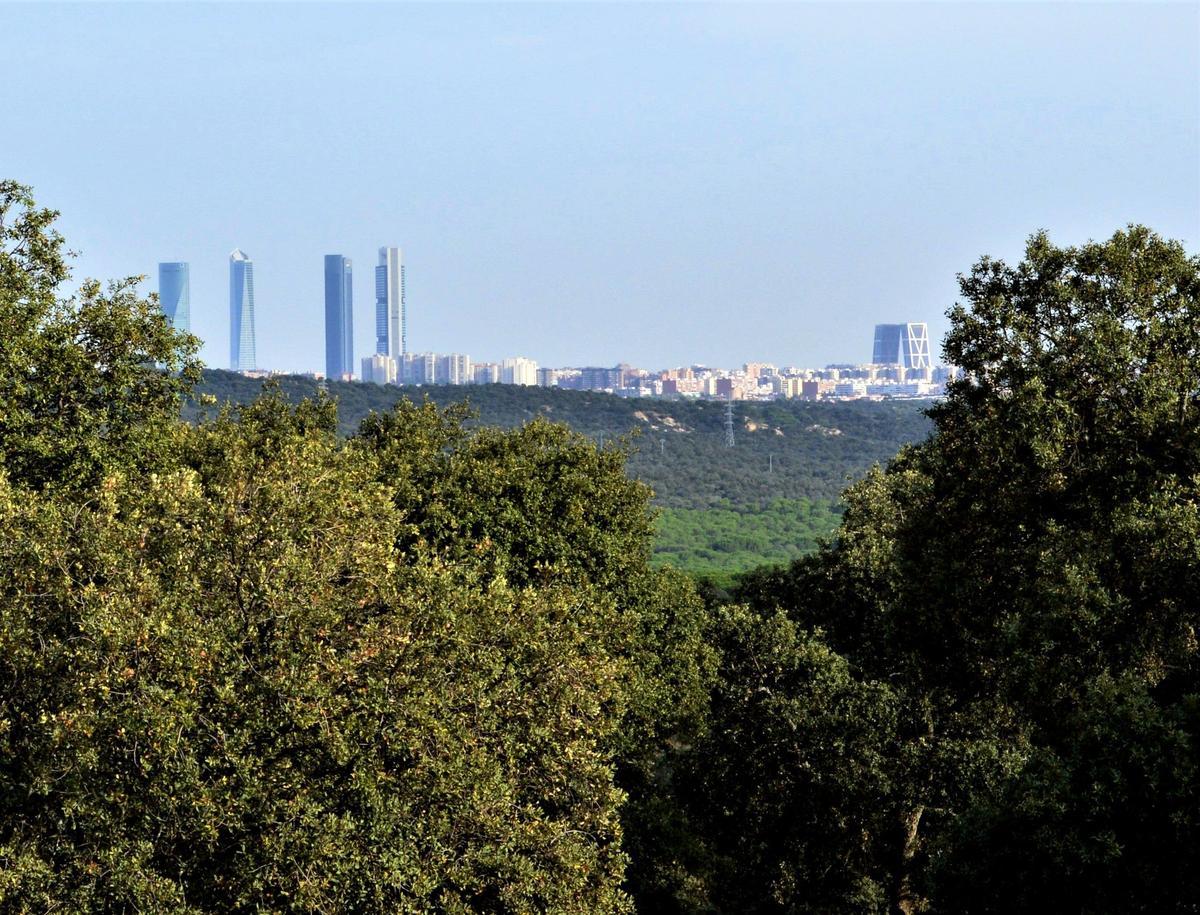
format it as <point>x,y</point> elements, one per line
<point>229,690</point>
<point>86,379</point>
<point>251,665</point>
<point>1079,410</point>
<point>1026,582</point>
<point>542,505</point>
<point>786,795</point>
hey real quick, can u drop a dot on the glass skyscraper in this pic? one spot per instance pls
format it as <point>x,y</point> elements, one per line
<point>175,295</point>
<point>902,344</point>
<point>241,312</point>
<point>391,322</point>
<point>339,316</point>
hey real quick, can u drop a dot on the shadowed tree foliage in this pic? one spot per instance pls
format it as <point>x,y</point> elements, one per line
<point>1026,581</point>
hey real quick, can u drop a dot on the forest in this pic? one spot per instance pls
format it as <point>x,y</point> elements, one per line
<point>271,660</point>
<point>722,510</point>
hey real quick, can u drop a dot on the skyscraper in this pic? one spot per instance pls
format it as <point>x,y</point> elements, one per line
<point>241,312</point>
<point>339,316</point>
<point>906,345</point>
<point>391,322</point>
<point>175,294</point>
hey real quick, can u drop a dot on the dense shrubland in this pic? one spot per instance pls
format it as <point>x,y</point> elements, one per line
<point>724,510</point>
<point>260,662</point>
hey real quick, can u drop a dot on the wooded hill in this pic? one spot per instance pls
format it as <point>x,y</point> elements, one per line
<point>765,500</point>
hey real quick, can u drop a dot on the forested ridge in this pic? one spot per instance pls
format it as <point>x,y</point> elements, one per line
<point>766,500</point>
<point>262,661</point>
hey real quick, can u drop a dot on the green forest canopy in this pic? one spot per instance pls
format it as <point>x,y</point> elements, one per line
<point>724,510</point>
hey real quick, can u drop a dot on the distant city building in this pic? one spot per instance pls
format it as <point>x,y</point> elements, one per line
<point>788,386</point>
<point>850,389</point>
<point>379,368</point>
<point>817,388</point>
<point>241,313</point>
<point>418,368</point>
<point>944,373</point>
<point>339,316</point>
<point>453,368</point>
<point>596,378</point>
<point>906,345</point>
<point>485,373</point>
<point>175,294</point>
<point>391,320</point>
<point>519,370</point>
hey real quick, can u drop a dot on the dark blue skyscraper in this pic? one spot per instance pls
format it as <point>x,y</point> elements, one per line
<point>339,316</point>
<point>174,294</point>
<point>241,312</point>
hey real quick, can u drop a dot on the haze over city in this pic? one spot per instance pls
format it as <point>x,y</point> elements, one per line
<point>662,185</point>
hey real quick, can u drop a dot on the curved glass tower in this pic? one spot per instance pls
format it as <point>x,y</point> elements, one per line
<point>174,294</point>
<point>339,316</point>
<point>241,312</point>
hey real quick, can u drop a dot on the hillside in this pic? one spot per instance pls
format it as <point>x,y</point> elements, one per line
<point>724,509</point>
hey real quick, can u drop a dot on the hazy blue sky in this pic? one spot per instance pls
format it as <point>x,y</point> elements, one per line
<point>662,184</point>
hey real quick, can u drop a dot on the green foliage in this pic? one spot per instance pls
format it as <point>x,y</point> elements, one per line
<point>540,505</point>
<point>253,665</point>
<point>784,802</point>
<point>234,694</point>
<point>717,541</point>
<point>788,454</point>
<point>84,380</point>
<point>1026,582</point>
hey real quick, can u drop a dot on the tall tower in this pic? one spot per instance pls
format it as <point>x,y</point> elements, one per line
<point>339,316</point>
<point>241,312</point>
<point>391,319</point>
<point>905,345</point>
<point>175,294</point>
<point>887,344</point>
<point>916,346</point>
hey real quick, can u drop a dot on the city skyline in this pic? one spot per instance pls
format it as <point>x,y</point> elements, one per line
<point>901,362</point>
<point>658,183</point>
<point>901,344</point>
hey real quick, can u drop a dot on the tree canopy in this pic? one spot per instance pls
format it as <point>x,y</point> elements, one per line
<point>1025,583</point>
<point>252,665</point>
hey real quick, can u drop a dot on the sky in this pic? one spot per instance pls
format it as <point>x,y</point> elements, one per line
<point>664,184</point>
